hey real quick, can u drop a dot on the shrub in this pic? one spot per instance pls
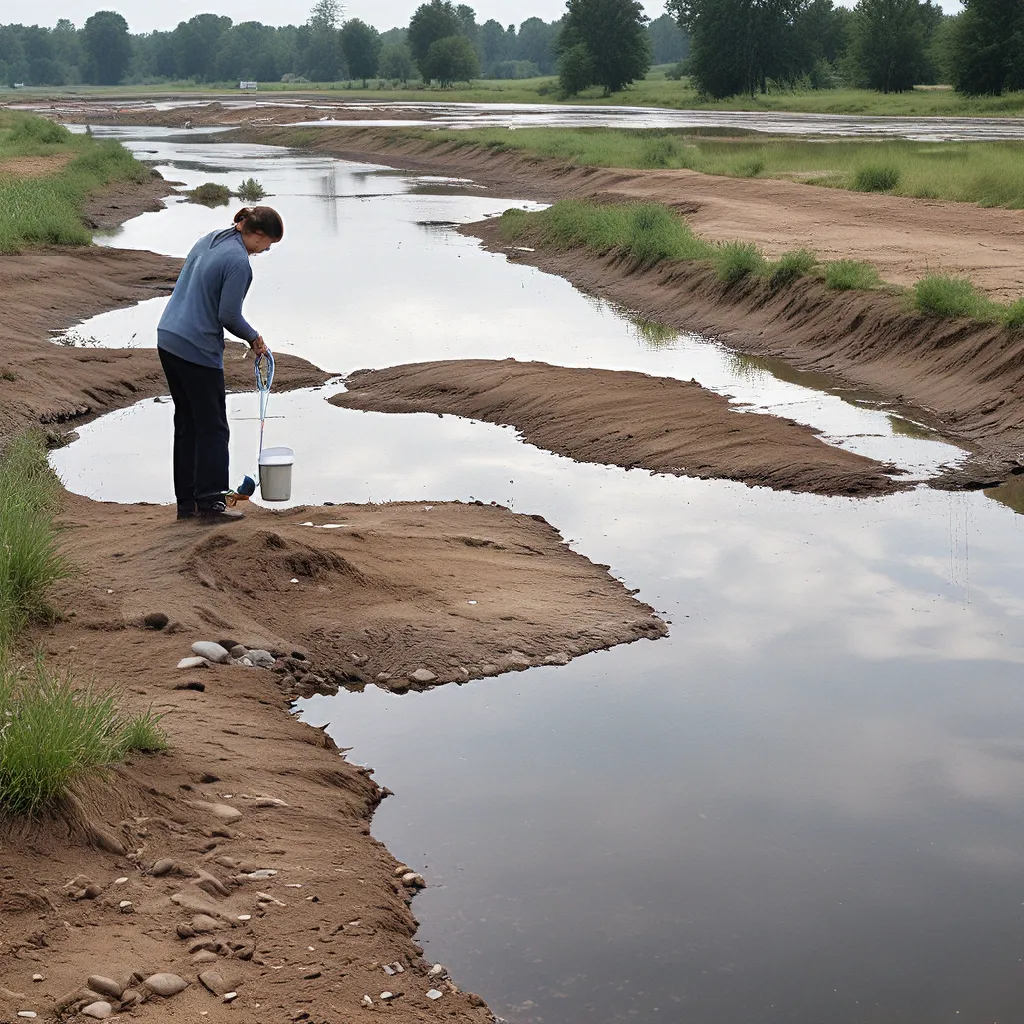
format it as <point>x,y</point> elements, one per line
<point>851,275</point>
<point>876,178</point>
<point>790,266</point>
<point>210,194</point>
<point>734,260</point>
<point>514,224</point>
<point>251,191</point>
<point>660,151</point>
<point>54,732</point>
<point>952,296</point>
<point>29,560</point>
<point>1013,318</point>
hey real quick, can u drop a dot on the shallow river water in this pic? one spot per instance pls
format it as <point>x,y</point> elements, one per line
<point>803,806</point>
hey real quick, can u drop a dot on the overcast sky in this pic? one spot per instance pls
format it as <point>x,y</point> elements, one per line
<point>145,15</point>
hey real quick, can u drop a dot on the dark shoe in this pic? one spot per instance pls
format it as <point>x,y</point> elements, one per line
<point>186,512</point>
<point>218,512</point>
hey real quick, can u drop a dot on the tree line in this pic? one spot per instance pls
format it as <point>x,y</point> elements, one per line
<point>748,46</point>
<point>210,48</point>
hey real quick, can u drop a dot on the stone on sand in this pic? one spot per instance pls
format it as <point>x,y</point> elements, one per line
<point>165,985</point>
<point>211,651</point>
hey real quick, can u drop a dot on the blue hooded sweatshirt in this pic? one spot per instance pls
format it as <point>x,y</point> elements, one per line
<point>207,299</point>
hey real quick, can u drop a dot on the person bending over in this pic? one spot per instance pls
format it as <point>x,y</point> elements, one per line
<point>207,300</point>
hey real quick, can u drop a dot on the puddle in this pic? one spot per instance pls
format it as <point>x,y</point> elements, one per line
<point>802,806</point>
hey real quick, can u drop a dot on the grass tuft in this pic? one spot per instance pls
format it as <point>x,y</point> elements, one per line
<point>1013,318</point>
<point>210,194</point>
<point>790,266</point>
<point>939,295</point>
<point>53,733</point>
<point>29,560</point>
<point>876,178</point>
<point>851,275</point>
<point>735,260</point>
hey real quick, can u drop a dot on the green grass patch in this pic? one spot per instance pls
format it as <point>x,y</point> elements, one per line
<point>876,178</point>
<point>30,562</point>
<point>735,260</point>
<point>790,266</point>
<point>53,733</point>
<point>1013,318</point>
<point>210,194</point>
<point>47,209</point>
<point>986,173</point>
<point>851,275</point>
<point>939,295</point>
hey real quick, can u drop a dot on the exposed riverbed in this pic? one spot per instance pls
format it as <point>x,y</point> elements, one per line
<point>801,806</point>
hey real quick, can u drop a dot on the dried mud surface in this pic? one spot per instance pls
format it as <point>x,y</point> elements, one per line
<point>625,419</point>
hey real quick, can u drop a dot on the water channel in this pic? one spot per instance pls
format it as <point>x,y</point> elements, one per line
<point>803,806</point>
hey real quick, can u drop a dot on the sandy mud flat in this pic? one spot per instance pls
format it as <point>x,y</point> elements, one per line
<point>625,419</point>
<point>245,850</point>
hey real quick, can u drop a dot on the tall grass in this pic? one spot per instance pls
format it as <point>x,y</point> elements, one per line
<point>987,173</point>
<point>48,209</point>
<point>30,562</point>
<point>851,275</point>
<point>940,295</point>
<point>53,732</point>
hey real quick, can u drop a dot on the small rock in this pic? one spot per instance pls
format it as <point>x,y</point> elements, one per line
<point>262,659</point>
<point>186,932</point>
<point>155,620</point>
<point>436,971</point>
<point>130,998</point>
<point>402,869</point>
<point>225,812</point>
<point>202,923</point>
<point>245,917</point>
<point>312,975</point>
<point>99,1011</point>
<point>165,985</point>
<point>214,982</point>
<point>162,867</point>
<point>434,994</point>
<point>239,652</point>
<point>105,986</point>
<point>207,944</point>
<point>38,977</point>
<point>366,1001</point>
<point>126,907</point>
<point>189,663</point>
<point>383,677</point>
<point>262,874</point>
<point>394,968</point>
<point>422,675</point>
<point>28,1014</point>
<point>557,659</point>
<point>121,881</point>
<point>489,670</point>
<point>412,880</point>
<point>211,651</point>
<point>205,956</point>
<point>247,662</point>
<point>230,997</point>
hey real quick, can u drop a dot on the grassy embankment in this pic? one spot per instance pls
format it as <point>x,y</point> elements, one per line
<point>52,730</point>
<point>43,205</point>
<point>654,91</point>
<point>986,173</point>
<point>649,234</point>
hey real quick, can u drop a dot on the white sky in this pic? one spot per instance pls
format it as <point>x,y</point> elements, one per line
<point>147,15</point>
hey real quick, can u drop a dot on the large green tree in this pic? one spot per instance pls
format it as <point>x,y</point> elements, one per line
<point>986,47</point>
<point>668,43</point>
<point>323,47</point>
<point>432,22</point>
<point>361,45</point>
<point>396,62</point>
<point>887,44</point>
<point>450,60</point>
<point>615,35</point>
<point>108,48</point>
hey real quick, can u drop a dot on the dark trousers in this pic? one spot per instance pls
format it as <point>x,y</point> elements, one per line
<point>200,431</point>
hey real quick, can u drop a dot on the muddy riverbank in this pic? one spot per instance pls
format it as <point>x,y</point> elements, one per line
<point>402,596</point>
<point>625,419</point>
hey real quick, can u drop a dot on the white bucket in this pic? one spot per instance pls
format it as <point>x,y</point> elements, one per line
<point>276,473</point>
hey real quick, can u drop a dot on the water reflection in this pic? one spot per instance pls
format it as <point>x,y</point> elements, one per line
<point>803,806</point>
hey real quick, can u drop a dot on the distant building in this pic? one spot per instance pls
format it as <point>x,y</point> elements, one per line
<point>248,85</point>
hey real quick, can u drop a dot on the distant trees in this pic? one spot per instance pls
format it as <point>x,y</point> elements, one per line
<point>887,44</point>
<point>396,62</point>
<point>107,47</point>
<point>606,38</point>
<point>668,43</point>
<point>986,47</point>
<point>430,23</point>
<point>361,47</point>
<point>323,50</point>
<point>449,60</point>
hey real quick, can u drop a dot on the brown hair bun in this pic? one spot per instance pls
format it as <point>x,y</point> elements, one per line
<point>262,219</point>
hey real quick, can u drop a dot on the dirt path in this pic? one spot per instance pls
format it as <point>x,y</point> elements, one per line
<point>904,238</point>
<point>625,419</point>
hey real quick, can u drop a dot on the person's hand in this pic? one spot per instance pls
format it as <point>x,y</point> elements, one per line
<point>259,347</point>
